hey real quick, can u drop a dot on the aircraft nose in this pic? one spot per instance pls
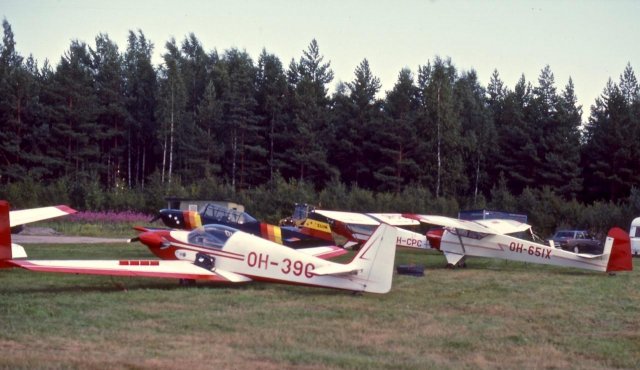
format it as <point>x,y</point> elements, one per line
<point>435,237</point>
<point>151,239</point>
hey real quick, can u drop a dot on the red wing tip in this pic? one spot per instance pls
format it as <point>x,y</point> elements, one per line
<point>66,209</point>
<point>142,229</point>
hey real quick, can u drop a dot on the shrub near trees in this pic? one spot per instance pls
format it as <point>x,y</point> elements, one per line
<point>106,129</point>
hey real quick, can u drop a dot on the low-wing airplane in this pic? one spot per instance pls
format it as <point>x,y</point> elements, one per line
<point>358,227</point>
<point>221,253</point>
<point>489,238</point>
<point>215,214</point>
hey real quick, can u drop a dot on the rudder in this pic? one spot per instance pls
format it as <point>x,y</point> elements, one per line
<point>5,231</point>
<point>376,259</point>
<point>620,255</point>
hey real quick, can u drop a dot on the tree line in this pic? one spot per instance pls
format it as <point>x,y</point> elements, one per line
<point>111,119</point>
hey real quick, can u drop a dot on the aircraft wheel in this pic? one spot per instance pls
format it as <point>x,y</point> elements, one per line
<point>450,266</point>
<point>576,250</point>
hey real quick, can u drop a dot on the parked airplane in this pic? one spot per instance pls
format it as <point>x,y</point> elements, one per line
<point>358,227</point>
<point>214,214</point>
<point>489,238</point>
<point>221,253</point>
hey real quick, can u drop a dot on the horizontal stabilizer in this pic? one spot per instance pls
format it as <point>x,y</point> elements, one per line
<point>26,216</point>
<point>335,270</point>
<point>326,252</point>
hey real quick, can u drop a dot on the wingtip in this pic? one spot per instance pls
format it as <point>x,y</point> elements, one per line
<point>66,209</point>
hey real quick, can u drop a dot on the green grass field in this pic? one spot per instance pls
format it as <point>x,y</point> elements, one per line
<point>492,314</point>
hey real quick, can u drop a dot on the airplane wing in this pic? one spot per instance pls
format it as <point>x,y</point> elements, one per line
<point>502,227</point>
<point>26,216</point>
<point>325,252</point>
<point>451,222</point>
<point>373,219</point>
<point>394,219</point>
<point>137,268</point>
<point>497,227</point>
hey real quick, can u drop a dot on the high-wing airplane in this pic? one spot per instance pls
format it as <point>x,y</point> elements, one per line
<point>489,238</point>
<point>221,253</point>
<point>215,214</point>
<point>358,227</point>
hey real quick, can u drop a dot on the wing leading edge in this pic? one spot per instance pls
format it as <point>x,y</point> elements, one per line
<point>136,268</point>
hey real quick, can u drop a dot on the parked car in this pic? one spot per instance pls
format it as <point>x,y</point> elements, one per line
<point>577,241</point>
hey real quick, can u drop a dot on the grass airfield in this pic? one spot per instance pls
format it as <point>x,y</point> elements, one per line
<point>492,314</point>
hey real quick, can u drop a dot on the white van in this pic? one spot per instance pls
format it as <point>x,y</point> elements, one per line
<point>634,234</point>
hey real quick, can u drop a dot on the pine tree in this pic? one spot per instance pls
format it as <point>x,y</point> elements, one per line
<point>478,131</point>
<point>439,127</point>
<point>271,99</point>
<point>357,115</point>
<point>398,139</point>
<point>611,152</point>
<point>74,115</point>
<point>107,66</point>
<point>171,108</point>
<point>141,94</point>
<point>12,92</point>
<point>309,122</point>
<point>245,139</point>
<point>518,156</point>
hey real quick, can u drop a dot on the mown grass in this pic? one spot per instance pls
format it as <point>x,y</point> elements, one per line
<point>102,229</point>
<point>492,314</point>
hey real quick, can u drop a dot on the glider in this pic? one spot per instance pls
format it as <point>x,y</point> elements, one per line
<point>490,238</point>
<point>223,254</point>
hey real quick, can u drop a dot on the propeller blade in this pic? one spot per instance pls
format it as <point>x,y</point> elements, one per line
<point>155,218</point>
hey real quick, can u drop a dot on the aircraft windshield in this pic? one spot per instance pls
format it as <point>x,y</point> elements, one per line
<point>211,236</point>
<point>226,215</point>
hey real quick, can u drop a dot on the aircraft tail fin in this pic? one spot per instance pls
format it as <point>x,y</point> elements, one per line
<point>5,231</point>
<point>618,245</point>
<point>375,260</point>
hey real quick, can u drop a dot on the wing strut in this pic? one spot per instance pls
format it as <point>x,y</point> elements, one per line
<point>460,240</point>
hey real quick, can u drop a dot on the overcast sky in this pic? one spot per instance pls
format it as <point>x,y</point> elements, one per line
<point>590,41</point>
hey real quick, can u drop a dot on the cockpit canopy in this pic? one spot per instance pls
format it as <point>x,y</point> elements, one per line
<point>211,236</point>
<point>226,215</point>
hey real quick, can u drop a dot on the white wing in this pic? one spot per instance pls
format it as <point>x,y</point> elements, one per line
<point>26,216</point>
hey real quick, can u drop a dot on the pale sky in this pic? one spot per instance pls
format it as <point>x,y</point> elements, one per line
<point>590,41</point>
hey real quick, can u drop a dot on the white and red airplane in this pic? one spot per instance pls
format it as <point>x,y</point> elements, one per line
<point>223,254</point>
<point>358,227</point>
<point>489,238</point>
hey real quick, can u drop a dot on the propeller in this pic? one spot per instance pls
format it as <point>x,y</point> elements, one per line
<point>155,218</point>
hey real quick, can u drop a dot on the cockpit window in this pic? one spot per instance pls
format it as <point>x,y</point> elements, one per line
<point>226,215</point>
<point>211,236</point>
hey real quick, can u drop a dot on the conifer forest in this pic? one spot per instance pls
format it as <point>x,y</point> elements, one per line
<point>105,128</point>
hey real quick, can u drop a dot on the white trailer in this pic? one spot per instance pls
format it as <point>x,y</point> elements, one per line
<point>634,234</point>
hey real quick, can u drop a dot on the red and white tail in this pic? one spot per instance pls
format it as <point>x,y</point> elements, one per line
<point>5,231</point>
<point>619,246</point>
